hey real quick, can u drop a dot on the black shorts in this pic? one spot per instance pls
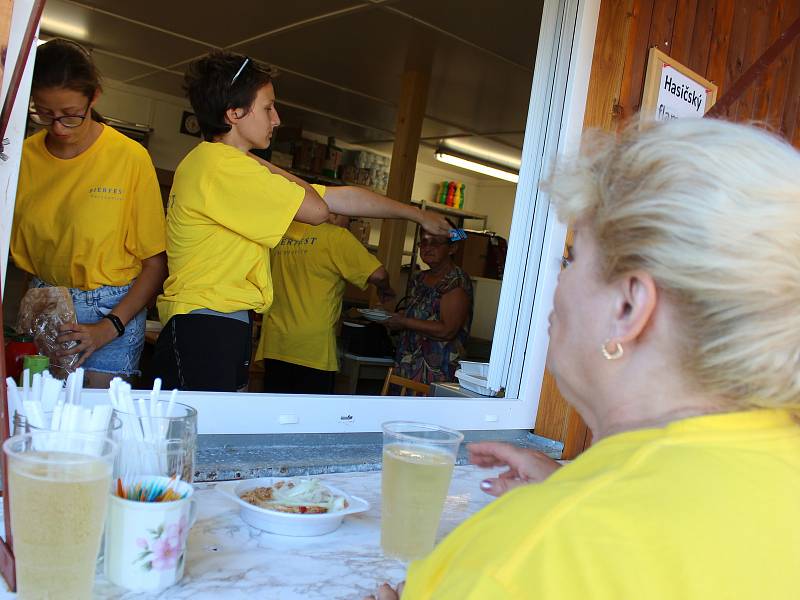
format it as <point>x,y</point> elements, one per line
<point>288,378</point>
<point>203,353</point>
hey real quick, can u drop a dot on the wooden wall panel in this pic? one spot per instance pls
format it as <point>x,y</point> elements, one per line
<point>683,30</point>
<point>761,101</point>
<point>738,48</point>
<point>608,64</point>
<point>782,70</point>
<point>790,124</point>
<point>720,44</point>
<point>699,48</point>
<point>719,39</point>
<point>662,24</point>
<point>757,42</point>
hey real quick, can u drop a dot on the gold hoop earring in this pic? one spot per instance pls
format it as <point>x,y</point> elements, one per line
<point>617,353</point>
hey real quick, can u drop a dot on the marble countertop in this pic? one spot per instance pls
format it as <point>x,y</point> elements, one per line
<point>228,559</point>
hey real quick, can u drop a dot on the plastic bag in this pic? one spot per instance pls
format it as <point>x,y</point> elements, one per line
<point>41,312</point>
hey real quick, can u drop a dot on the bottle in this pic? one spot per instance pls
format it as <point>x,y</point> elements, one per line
<point>442,197</point>
<point>18,347</point>
<point>451,190</point>
<point>461,196</point>
<point>457,195</point>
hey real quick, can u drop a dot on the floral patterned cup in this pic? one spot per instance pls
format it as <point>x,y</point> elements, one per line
<point>145,542</point>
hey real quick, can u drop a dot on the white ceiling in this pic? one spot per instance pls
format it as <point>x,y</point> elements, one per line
<point>340,62</point>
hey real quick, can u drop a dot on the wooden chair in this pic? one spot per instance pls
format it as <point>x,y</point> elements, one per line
<point>420,389</point>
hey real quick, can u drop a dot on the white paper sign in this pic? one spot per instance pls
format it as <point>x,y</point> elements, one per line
<point>679,97</point>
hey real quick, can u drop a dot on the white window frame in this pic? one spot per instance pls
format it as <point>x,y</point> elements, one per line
<point>554,124</point>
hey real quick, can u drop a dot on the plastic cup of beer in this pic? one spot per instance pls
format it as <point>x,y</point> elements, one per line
<point>418,461</point>
<point>58,484</point>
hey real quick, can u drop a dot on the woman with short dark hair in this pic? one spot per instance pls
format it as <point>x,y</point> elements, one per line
<point>226,210</point>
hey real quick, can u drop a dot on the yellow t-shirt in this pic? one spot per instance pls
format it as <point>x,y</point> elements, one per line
<point>87,221</point>
<point>225,212</point>
<point>705,508</point>
<point>309,274</point>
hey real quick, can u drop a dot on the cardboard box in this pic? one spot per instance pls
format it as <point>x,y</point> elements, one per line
<point>303,154</point>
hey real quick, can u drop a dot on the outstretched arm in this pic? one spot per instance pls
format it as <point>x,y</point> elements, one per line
<point>354,201</point>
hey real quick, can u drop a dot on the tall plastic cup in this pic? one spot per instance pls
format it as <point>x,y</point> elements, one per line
<point>59,487</point>
<point>418,461</point>
<point>35,363</point>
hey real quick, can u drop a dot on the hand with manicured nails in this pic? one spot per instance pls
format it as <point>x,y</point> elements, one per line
<point>524,465</point>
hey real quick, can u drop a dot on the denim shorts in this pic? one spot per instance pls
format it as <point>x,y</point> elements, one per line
<point>121,355</point>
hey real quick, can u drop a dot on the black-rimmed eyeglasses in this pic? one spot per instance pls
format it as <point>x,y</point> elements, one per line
<point>68,121</point>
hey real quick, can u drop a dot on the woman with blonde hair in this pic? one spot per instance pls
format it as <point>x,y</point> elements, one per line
<point>675,333</point>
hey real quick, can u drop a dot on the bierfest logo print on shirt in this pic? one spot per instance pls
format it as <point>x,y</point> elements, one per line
<point>290,246</point>
<point>107,192</point>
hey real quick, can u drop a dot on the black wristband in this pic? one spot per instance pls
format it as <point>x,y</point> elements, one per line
<point>115,320</point>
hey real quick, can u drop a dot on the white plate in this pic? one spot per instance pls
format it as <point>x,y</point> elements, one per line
<point>474,383</point>
<point>375,315</point>
<point>283,523</point>
<point>479,369</point>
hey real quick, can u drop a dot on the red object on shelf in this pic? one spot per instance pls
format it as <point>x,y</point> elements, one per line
<point>451,191</point>
<point>16,349</point>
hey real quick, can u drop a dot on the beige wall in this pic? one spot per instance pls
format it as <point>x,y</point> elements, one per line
<point>162,112</point>
<point>494,198</point>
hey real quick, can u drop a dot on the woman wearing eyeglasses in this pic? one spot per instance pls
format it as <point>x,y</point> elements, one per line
<point>88,215</point>
<point>436,322</point>
<point>227,208</point>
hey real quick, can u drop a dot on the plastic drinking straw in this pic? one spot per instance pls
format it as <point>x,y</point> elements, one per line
<point>154,395</point>
<point>15,401</point>
<point>36,388</point>
<point>26,384</point>
<point>51,388</point>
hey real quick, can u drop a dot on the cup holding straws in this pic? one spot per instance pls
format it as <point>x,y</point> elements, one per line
<point>149,518</point>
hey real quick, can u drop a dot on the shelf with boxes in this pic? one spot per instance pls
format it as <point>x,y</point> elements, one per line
<point>328,164</point>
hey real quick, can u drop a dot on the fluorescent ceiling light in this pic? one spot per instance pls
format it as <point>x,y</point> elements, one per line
<point>484,150</point>
<point>453,158</point>
<point>63,28</point>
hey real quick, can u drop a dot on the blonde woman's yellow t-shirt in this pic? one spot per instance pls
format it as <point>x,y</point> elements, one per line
<point>87,221</point>
<point>225,212</point>
<point>310,268</point>
<point>707,507</point>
